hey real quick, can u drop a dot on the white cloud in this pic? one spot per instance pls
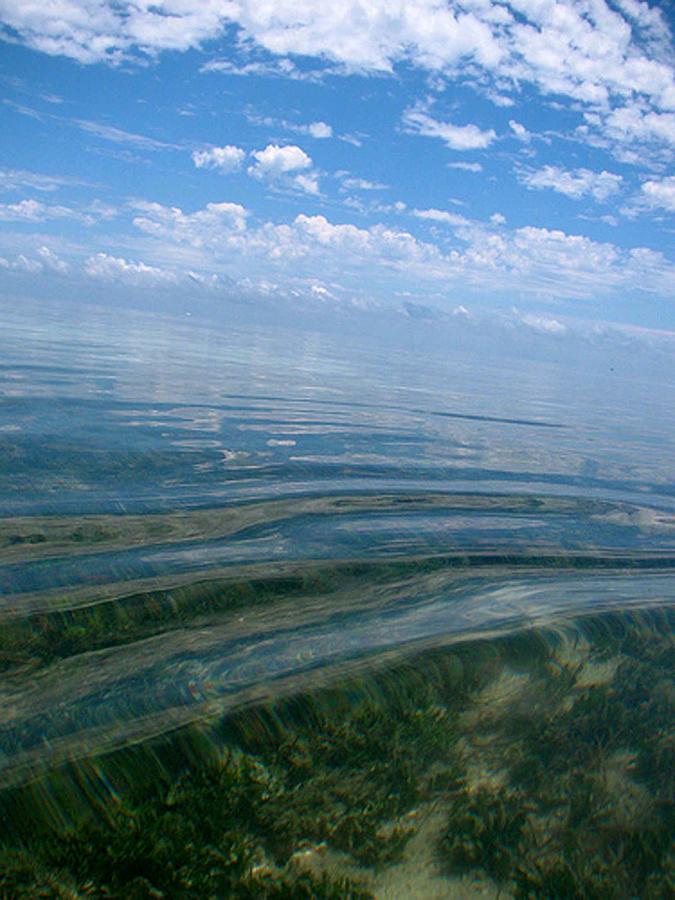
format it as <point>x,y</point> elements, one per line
<point>356,140</point>
<point>12,179</point>
<point>27,265</point>
<point>475,258</point>
<point>562,256</point>
<point>204,228</point>
<point>35,211</point>
<point>270,68</point>
<point>611,57</point>
<point>348,245</point>
<point>660,193</point>
<point>500,100</point>
<point>633,122</point>
<point>226,159</point>
<point>308,183</point>
<point>47,261</point>
<point>360,184</point>
<point>575,184</point>
<point>318,130</point>
<point>311,238</point>
<point>541,324</point>
<point>51,261</point>
<point>117,269</point>
<point>27,210</point>
<point>489,258</point>
<point>520,131</point>
<point>466,166</point>
<point>289,165</point>
<point>279,164</point>
<point>99,210</point>
<point>439,215</point>
<point>457,137</point>
<point>275,160</point>
<point>119,136</point>
<point>587,49</point>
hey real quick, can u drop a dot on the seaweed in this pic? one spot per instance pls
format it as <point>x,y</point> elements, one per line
<point>193,838</point>
<point>562,789</point>
<point>484,832</point>
<point>571,824</point>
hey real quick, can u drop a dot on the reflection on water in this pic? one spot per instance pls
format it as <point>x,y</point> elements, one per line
<point>278,618</point>
<point>136,414</point>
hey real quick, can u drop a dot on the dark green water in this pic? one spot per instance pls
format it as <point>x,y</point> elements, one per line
<point>280,619</point>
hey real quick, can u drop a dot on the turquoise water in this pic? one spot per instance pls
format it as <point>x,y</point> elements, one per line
<point>228,540</point>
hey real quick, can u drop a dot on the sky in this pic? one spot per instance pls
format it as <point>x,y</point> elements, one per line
<point>444,160</point>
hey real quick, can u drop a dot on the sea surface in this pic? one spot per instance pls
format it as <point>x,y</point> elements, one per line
<point>243,558</point>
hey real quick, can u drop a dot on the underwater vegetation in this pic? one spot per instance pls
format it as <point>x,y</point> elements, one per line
<point>587,805</point>
<point>547,757</point>
<point>77,622</point>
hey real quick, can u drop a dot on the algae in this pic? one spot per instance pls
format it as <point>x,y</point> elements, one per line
<point>550,785</point>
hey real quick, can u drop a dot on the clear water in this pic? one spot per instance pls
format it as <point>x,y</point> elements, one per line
<point>392,599</point>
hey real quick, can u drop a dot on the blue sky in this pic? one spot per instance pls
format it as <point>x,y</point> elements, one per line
<point>469,159</point>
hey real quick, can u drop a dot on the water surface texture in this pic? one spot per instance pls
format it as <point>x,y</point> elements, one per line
<point>200,521</point>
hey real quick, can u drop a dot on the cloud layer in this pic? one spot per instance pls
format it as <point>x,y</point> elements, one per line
<point>614,59</point>
<point>220,239</point>
<point>479,108</point>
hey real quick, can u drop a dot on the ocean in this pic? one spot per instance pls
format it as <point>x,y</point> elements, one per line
<point>288,612</point>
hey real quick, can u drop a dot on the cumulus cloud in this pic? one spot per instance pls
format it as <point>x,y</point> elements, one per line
<point>576,184</point>
<point>275,160</point>
<point>482,257</point>
<point>456,137</point>
<point>103,267</point>
<point>319,130</point>
<point>362,36</point>
<point>489,257</point>
<point>312,238</point>
<point>337,246</point>
<point>26,264</point>
<point>630,124</point>
<point>51,261</point>
<point>35,211</point>
<point>47,261</point>
<point>226,159</point>
<point>204,228</point>
<point>606,55</point>
<point>287,165</point>
<point>660,193</point>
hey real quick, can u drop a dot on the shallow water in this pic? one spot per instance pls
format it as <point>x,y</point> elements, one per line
<point>229,541</point>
